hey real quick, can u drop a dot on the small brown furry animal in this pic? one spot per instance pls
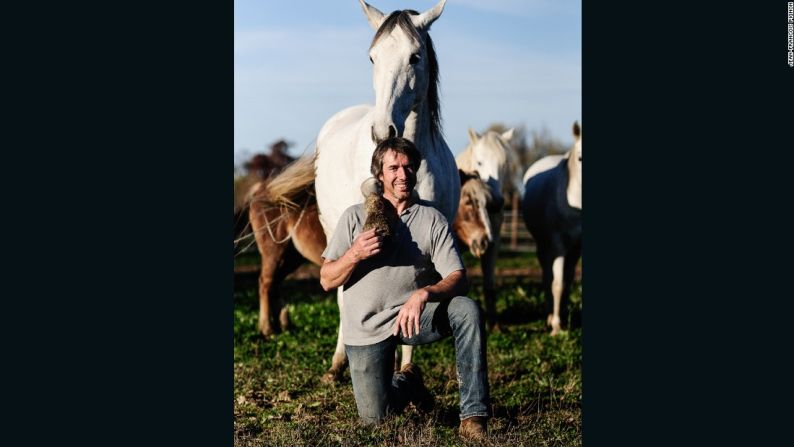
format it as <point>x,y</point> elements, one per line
<point>380,213</point>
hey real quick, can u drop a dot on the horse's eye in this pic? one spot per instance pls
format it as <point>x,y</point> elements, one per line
<point>580,159</point>
<point>370,59</point>
<point>414,59</point>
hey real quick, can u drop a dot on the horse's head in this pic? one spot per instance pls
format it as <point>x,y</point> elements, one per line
<point>492,157</point>
<point>405,70</point>
<point>472,224</point>
<point>577,147</point>
<point>575,168</point>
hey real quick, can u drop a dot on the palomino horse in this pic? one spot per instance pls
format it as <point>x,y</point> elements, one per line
<point>472,224</point>
<point>287,231</point>
<point>552,208</point>
<point>405,80</point>
<point>493,158</point>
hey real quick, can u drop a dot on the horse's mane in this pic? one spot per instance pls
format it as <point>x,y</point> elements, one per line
<point>401,19</point>
<point>473,186</point>
<point>292,188</point>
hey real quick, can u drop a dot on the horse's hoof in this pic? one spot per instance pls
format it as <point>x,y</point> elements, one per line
<point>331,376</point>
<point>267,331</point>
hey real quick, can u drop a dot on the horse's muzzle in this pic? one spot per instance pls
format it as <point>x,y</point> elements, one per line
<point>478,246</point>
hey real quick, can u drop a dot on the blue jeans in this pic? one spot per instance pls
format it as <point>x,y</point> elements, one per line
<point>380,391</point>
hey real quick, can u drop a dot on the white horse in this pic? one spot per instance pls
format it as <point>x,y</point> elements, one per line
<point>493,158</point>
<point>405,79</point>
<point>552,208</point>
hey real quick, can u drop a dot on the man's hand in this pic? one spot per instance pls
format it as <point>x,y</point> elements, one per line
<point>365,245</point>
<point>408,318</point>
<point>455,284</point>
<point>334,273</point>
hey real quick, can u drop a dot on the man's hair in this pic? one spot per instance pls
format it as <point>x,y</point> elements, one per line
<point>399,145</point>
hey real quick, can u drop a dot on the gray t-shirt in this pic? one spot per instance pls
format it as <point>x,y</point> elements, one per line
<point>420,253</point>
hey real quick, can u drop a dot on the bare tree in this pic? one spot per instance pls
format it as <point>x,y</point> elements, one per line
<point>254,169</point>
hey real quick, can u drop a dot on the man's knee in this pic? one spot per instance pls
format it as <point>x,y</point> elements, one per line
<point>465,309</point>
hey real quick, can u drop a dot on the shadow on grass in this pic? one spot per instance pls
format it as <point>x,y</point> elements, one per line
<point>521,313</point>
<point>294,291</point>
<point>507,418</point>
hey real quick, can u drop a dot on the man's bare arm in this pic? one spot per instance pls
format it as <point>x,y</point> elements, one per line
<point>455,284</point>
<point>334,273</point>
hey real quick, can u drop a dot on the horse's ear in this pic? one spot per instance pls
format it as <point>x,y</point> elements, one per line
<point>473,136</point>
<point>374,16</point>
<point>508,134</point>
<point>425,19</point>
<point>577,131</point>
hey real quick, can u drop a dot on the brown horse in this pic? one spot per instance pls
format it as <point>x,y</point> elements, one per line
<point>287,230</point>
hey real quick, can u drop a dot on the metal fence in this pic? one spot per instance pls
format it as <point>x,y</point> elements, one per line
<point>515,235</point>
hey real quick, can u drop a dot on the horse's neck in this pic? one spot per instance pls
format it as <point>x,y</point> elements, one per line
<point>417,129</point>
<point>574,190</point>
<point>437,179</point>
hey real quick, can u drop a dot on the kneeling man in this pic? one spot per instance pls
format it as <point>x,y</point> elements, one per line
<point>405,288</point>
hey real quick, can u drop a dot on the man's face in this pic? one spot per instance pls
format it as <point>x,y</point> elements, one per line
<point>398,176</point>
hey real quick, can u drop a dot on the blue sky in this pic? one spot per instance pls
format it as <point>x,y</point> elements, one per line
<point>510,61</point>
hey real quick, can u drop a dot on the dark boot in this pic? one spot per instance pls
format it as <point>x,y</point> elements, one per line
<point>420,396</point>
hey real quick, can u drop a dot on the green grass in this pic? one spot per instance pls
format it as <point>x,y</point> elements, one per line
<point>506,260</point>
<point>535,379</point>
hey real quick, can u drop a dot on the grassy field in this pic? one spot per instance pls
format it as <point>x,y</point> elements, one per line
<point>535,379</point>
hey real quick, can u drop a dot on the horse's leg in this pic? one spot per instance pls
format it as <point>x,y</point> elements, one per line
<point>289,261</point>
<point>569,273</point>
<point>556,291</point>
<point>339,361</point>
<point>489,269</point>
<point>408,353</point>
<point>270,252</point>
<point>488,261</point>
<point>545,267</point>
<point>265,281</point>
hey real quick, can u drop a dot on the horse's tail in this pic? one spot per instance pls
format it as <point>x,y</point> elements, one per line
<point>243,191</point>
<point>293,188</point>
